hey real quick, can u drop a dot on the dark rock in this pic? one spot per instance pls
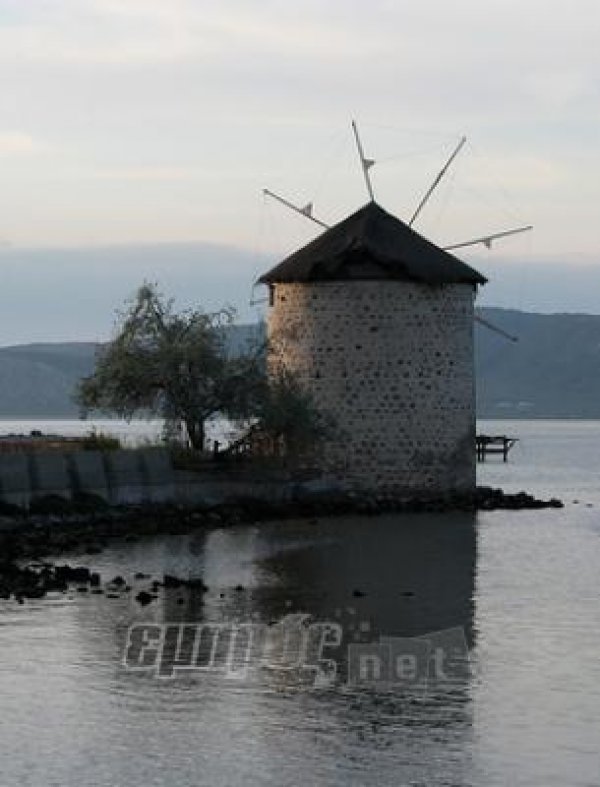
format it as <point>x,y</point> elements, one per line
<point>173,583</point>
<point>50,505</point>
<point>170,581</point>
<point>34,591</point>
<point>10,510</point>
<point>197,584</point>
<point>67,574</point>
<point>488,499</point>
<point>118,581</point>
<point>214,518</point>
<point>88,502</point>
<point>144,598</point>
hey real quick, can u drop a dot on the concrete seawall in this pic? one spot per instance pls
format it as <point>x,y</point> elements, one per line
<point>138,477</point>
<point>146,477</point>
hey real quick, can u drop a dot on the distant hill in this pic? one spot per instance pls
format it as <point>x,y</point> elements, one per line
<point>38,380</point>
<point>553,371</point>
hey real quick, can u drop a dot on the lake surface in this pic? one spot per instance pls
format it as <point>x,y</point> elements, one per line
<point>522,587</point>
<point>133,433</point>
<point>136,432</point>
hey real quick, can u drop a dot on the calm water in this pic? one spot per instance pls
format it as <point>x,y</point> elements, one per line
<point>133,433</point>
<point>523,586</point>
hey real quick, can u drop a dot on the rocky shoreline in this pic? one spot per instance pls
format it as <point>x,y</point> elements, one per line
<point>55,527</point>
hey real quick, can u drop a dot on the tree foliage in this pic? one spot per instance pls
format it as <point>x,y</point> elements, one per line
<point>166,363</point>
<point>175,366</point>
<point>287,415</point>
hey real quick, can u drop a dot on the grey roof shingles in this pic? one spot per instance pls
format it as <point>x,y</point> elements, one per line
<point>372,244</point>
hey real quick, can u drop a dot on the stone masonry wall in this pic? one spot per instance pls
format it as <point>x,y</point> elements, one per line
<point>392,362</point>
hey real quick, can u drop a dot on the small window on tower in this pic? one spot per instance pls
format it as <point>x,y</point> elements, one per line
<point>271,294</point>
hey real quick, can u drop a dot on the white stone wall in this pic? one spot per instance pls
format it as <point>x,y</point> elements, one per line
<point>392,362</point>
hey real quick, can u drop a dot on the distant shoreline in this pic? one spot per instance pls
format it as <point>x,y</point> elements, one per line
<point>550,373</point>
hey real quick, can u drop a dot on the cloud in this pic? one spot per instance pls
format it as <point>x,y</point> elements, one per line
<point>430,33</point>
<point>87,32</point>
<point>152,107</point>
<point>148,173</point>
<point>18,143</point>
<point>105,32</point>
<point>524,173</point>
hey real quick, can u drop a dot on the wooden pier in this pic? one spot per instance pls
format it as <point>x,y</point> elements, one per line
<point>493,444</point>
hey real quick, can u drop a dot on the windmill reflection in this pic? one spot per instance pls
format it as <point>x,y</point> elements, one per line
<point>390,580</point>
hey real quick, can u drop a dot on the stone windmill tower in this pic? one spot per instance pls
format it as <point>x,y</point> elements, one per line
<point>376,323</point>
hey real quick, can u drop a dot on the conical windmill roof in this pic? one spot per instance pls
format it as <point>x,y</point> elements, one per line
<point>372,244</point>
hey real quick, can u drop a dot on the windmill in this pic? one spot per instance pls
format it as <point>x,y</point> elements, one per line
<point>375,322</point>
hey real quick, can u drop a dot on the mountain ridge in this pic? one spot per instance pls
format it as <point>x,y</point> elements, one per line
<point>553,371</point>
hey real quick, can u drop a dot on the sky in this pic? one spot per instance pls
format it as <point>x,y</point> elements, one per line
<point>136,137</point>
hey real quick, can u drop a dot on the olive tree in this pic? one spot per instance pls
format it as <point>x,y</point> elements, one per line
<point>170,364</point>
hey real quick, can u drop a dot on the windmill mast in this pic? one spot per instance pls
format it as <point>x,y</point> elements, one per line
<point>437,180</point>
<point>305,211</point>
<point>490,326</point>
<point>486,240</point>
<point>366,163</point>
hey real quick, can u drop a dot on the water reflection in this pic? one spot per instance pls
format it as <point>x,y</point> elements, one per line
<point>404,576</point>
<point>395,577</point>
<point>382,577</point>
